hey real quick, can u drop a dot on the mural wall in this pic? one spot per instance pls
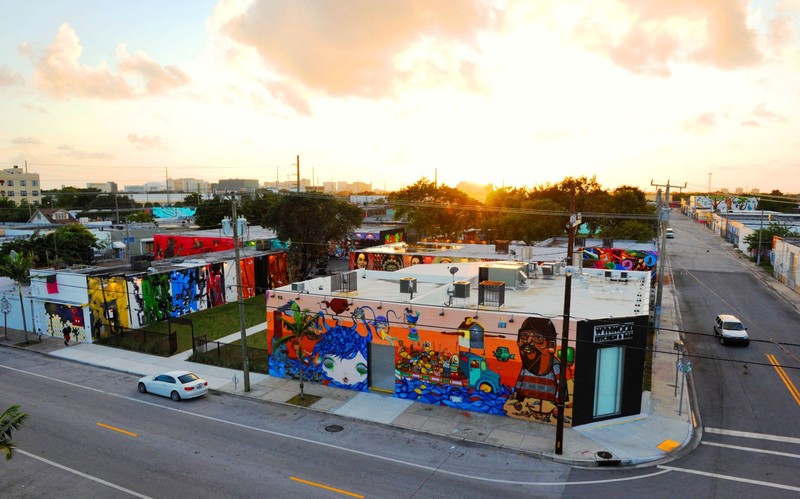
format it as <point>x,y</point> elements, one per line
<point>619,259</point>
<point>169,246</point>
<point>60,317</point>
<point>488,365</point>
<point>391,262</point>
<point>108,305</point>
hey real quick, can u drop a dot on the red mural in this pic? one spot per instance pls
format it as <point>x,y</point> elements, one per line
<point>168,246</point>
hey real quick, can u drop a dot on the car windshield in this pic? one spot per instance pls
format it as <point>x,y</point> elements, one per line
<point>188,378</point>
<point>733,326</point>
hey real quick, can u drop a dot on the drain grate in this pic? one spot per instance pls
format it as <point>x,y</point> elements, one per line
<point>334,428</point>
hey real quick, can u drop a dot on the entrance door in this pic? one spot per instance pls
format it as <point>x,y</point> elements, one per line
<point>381,368</point>
<point>608,381</point>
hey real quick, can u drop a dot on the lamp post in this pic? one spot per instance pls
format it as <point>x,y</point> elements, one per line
<point>5,306</point>
<point>574,221</point>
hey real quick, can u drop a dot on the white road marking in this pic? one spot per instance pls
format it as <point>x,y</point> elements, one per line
<point>84,475</point>
<point>732,478</point>
<point>747,434</point>
<point>752,449</point>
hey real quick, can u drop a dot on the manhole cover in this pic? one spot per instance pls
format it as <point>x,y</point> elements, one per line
<point>334,428</point>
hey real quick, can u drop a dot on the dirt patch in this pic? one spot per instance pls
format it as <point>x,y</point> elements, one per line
<point>306,401</point>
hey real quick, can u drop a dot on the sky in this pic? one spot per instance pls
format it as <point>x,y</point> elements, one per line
<point>695,93</point>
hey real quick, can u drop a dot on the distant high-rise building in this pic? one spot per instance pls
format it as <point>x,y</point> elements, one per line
<point>103,186</point>
<point>235,185</point>
<point>18,185</point>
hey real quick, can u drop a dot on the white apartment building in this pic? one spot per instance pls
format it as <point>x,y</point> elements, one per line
<point>18,185</point>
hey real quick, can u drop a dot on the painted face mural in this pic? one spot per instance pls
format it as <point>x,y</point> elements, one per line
<point>536,393</point>
<point>341,354</point>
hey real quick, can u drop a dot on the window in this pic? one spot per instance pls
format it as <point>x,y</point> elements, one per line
<point>34,193</point>
<point>35,183</point>
<point>608,381</point>
<point>11,183</point>
<point>23,193</point>
<point>11,194</point>
<point>22,183</point>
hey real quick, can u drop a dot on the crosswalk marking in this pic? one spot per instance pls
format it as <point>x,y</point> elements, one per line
<point>753,449</point>
<point>747,434</point>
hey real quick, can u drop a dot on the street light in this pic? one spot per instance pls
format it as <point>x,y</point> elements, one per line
<point>6,308</point>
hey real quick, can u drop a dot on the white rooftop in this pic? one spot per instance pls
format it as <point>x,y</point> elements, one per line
<point>595,293</point>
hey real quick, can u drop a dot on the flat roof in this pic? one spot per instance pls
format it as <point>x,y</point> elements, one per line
<point>595,293</point>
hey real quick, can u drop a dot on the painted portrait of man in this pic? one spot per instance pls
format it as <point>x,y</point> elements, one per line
<point>536,392</point>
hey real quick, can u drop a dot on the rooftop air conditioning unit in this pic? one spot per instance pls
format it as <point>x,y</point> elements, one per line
<point>461,289</point>
<point>298,286</point>
<point>408,285</point>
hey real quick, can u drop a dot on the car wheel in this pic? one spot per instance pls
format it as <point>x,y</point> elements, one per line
<point>142,388</point>
<point>721,340</point>
<point>175,396</point>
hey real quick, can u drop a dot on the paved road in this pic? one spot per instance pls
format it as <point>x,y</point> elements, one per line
<point>92,435</point>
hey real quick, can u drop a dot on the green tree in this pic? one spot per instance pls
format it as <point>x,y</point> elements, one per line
<point>435,211</point>
<point>627,200</point>
<point>308,223</point>
<point>778,201</point>
<point>69,244</point>
<point>760,240</point>
<point>111,202</point>
<point>302,326</point>
<point>10,420</point>
<point>192,199</point>
<point>74,197</point>
<point>17,266</point>
<point>210,213</point>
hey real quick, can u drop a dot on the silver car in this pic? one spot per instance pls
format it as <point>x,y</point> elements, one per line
<point>730,330</point>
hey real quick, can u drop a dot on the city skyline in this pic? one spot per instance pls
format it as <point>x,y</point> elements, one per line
<point>508,93</point>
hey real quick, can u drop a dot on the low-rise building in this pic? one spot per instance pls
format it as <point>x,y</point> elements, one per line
<point>488,337</point>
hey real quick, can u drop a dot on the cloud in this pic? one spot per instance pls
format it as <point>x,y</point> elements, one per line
<point>143,142</point>
<point>71,152</point>
<point>761,115</point>
<point>647,37</point>
<point>60,74</point>
<point>25,141</point>
<point>352,47</point>
<point>10,78</point>
<point>701,123</point>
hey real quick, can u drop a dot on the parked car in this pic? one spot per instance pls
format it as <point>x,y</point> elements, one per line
<point>730,330</point>
<point>177,385</point>
<point>670,233</point>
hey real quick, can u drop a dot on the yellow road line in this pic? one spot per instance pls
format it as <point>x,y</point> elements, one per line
<point>118,430</point>
<point>340,491</point>
<point>785,378</point>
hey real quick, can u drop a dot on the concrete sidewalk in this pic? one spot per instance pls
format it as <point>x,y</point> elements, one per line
<point>665,426</point>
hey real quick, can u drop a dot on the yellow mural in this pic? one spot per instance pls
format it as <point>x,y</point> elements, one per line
<point>108,302</point>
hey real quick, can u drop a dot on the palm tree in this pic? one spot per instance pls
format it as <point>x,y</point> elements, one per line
<point>10,420</point>
<point>17,266</point>
<point>303,325</point>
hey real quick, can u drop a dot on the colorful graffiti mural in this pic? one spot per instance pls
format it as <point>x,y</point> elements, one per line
<point>467,367</point>
<point>60,317</point>
<point>619,259</point>
<point>169,246</point>
<point>108,305</point>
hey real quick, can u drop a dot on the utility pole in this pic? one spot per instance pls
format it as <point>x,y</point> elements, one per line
<point>662,251</point>
<point>563,393</point>
<point>245,359</point>
<point>760,232</point>
<point>298,173</point>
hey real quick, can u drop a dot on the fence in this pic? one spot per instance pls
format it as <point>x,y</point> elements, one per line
<point>142,340</point>
<point>228,355</point>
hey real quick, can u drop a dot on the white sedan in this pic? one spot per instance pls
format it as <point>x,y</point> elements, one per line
<point>176,385</point>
